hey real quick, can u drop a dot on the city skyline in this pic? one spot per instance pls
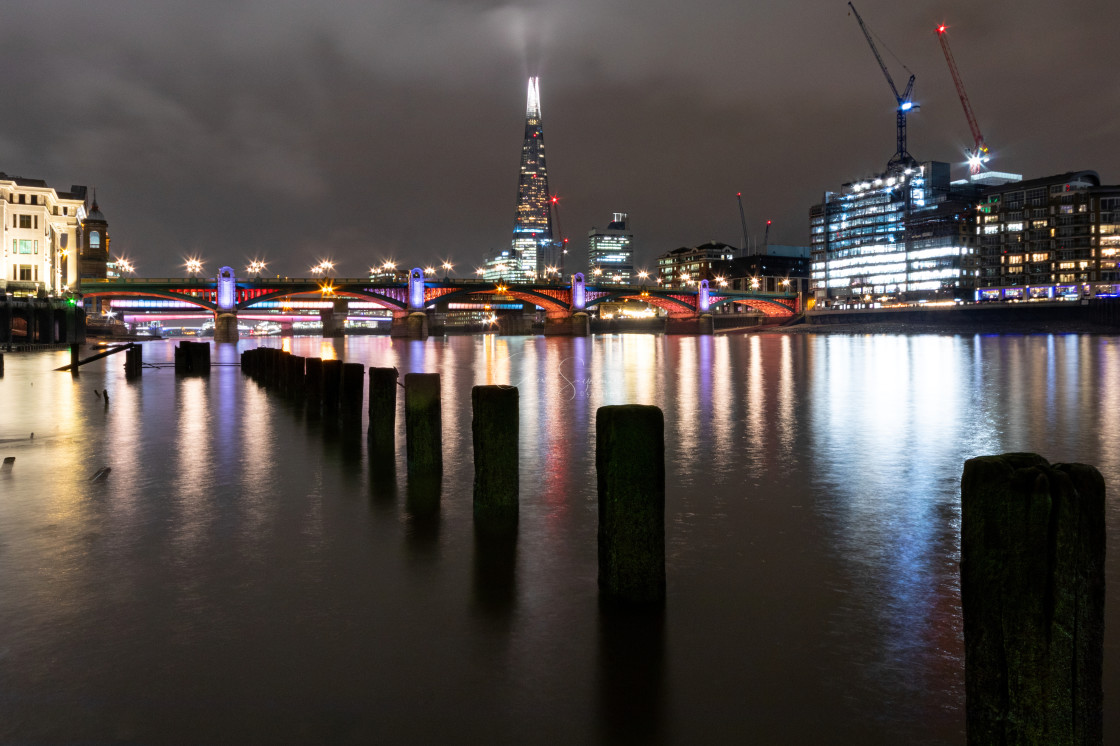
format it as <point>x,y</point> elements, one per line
<point>386,133</point>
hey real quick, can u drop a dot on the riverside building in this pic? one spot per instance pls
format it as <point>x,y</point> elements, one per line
<point>688,265</point>
<point>1052,237</point>
<point>610,252</point>
<point>895,237</point>
<point>41,236</point>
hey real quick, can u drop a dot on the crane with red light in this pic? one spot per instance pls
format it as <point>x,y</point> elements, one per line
<point>560,231</point>
<point>743,220</point>
<point>978,156</point>
<point>902,158</point>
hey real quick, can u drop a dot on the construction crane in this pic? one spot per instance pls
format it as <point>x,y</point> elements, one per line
<point>979,155</point>
<point>562,244</point>
<point>743,220</point>
<point>902,158</point>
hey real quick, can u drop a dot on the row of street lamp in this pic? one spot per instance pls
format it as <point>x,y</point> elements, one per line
<point>325,267</point>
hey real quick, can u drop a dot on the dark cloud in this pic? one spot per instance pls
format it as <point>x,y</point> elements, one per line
<point>361,131</point>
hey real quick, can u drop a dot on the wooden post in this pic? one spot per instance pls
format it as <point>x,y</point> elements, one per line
<point>296,368</point>
<point>630,465</point>
<point>74,358</point>
<point>353,389</point>
<point>1032,593</point>
<point>332,384</point>
<point>495,431</point>
<point>382,409</point>
<point>313,381</point>
<point>422,423</point>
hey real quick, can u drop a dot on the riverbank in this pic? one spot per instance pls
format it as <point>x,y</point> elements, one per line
<point>1052,326</point>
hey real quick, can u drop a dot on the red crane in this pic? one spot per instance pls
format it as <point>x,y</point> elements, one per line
<point>979,155</point>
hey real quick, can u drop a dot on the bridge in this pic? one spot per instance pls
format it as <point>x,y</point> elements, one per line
<point>565,306</point>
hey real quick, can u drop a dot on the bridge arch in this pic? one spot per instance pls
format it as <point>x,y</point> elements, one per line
<point>160,294</point>
<point>766,306</point>
<point>673,305</point>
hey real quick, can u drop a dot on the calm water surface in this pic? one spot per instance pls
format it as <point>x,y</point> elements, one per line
<point>246,575</point>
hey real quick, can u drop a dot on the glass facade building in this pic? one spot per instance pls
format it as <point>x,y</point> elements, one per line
<point>894,237</point>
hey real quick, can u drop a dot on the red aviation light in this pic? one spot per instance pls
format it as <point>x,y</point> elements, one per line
<point>941,29</point>
<point>768,222</point>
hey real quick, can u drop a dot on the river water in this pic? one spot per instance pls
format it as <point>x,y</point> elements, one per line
<point>245,575</point>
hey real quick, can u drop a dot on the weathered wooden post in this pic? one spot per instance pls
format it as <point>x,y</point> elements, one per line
<point>382,409</point>
<point>332,384</point>
<point>353,390</point>
<point>630,465</point>
<point>495,431</point>
<point>1032,593</point>
<point>200,358</point>
<point>133,361</point>
<point>313,382</point>
<point>423,424</point>
<point>74,358</point>
<point>296,367</point>
<point>1,364</point>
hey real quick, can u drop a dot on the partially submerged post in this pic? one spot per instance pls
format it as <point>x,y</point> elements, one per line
<point>423,428</point>
<point>1032,593</point>
<point>332,385</point>
<point>313,382</point>
<point>495,430</point>
<point>382,408</point>
<point>630,465</point>
<point>353,390</point>
<point>74,358</point>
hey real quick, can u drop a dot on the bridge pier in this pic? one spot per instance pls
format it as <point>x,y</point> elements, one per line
<point>410,326</point>
<point>225,327</point>
<point>576,325</point>
<point>334,319</point>
<point>702,324</point>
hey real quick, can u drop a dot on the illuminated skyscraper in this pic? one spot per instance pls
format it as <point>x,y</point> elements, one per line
<point>532,230</point>
<point>610,253</point>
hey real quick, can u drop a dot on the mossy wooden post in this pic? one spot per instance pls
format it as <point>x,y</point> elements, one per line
<point>422,423</point>
<point>630,465</point>
<point>332,385</point>
<point>495,430</point>
<point>382,408</point>
<point>1032,593</point>
<point>353,390</point>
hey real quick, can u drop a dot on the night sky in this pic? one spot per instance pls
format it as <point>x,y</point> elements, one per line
<point>362,131</point>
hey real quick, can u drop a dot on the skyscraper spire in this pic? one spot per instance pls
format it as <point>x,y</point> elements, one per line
<point>533,110</point>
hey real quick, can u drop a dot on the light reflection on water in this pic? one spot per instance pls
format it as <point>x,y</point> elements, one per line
<point>247,561</point>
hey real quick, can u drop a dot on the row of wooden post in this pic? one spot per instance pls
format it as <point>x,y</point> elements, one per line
<point>629,456</point>
<point>1032,539</point>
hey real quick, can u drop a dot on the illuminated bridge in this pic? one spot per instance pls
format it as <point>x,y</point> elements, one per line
<point>565,306</point>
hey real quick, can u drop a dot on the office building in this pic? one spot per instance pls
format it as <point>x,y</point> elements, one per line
<point>610,253</point>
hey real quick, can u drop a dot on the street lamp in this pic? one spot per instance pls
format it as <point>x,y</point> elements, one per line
<point>194,267</point>
<point>447,267</point>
